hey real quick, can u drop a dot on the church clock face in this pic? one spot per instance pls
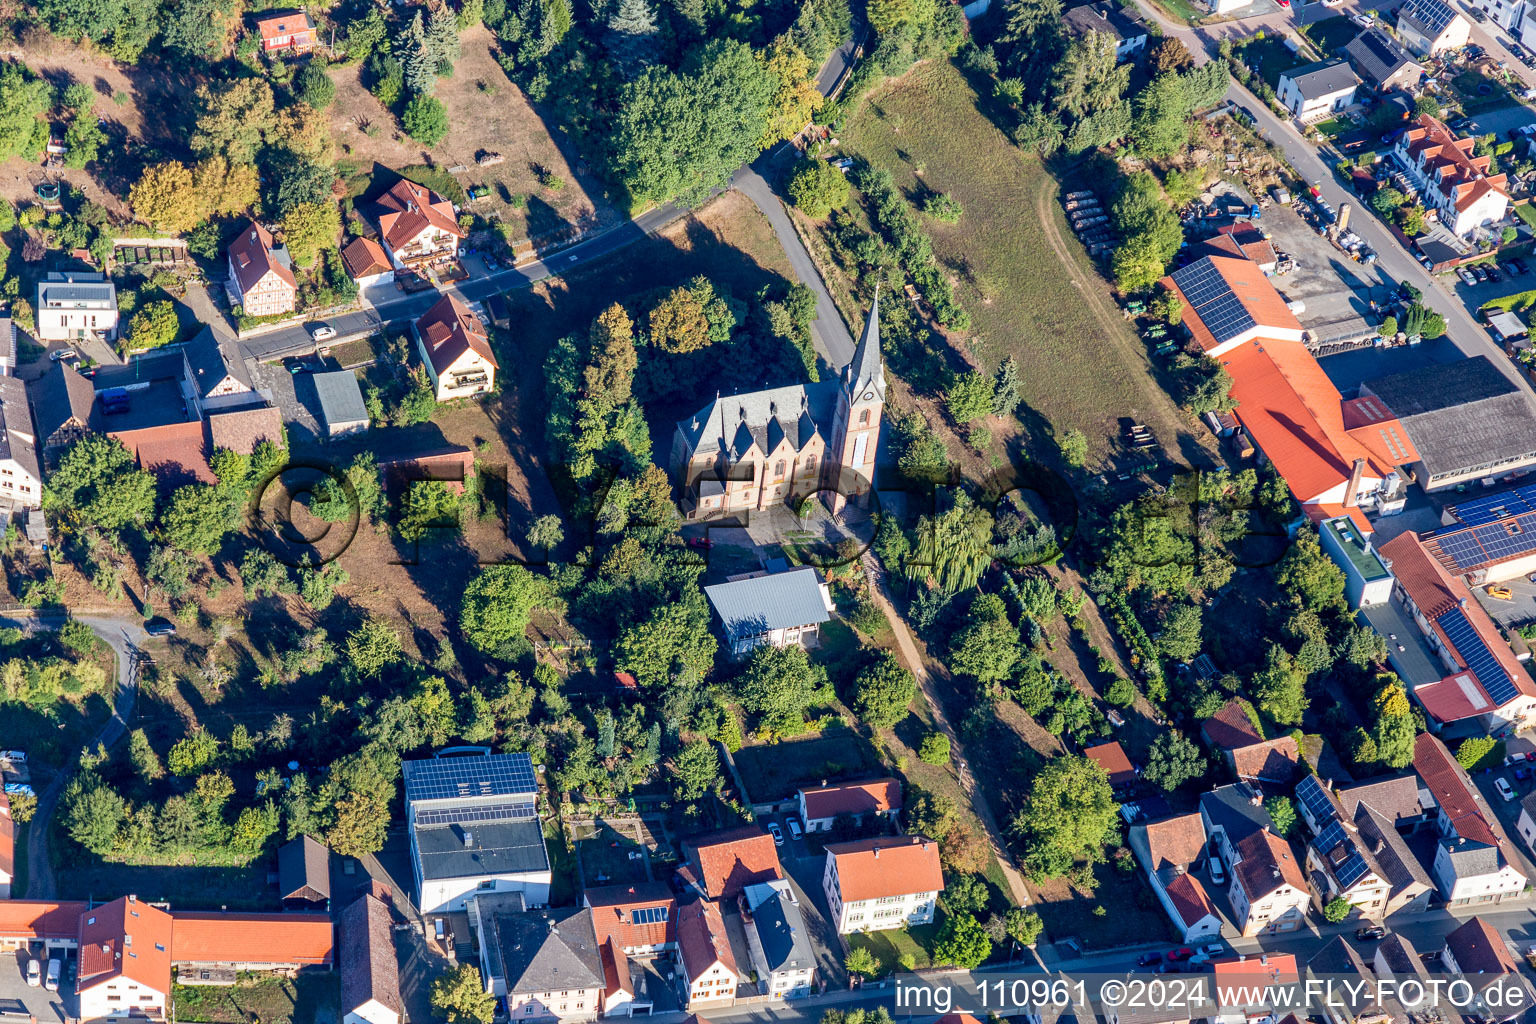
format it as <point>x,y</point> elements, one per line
<point>869,396</point>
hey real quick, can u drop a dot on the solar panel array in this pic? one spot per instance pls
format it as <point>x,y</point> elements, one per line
<point>444,778</point>
<point>648,915</point>
<point>1341,854</point>
<point>1213,300</point>
<point>1463,549</point>
<point>1477,656</point>
<point>470,815</point>
<point>1316,800</point>
<point>1488,508</point>
<point>1432,14</point>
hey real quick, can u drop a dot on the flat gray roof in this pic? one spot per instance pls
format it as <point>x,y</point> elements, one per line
<point>341,399</point>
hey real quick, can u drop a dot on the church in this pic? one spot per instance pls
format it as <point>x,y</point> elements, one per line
<point>743,453</point>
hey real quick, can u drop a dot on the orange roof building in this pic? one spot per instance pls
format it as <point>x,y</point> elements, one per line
<point>416,224</point>
<point>260,274</point>
<point>366,261</point>
<point>887,882</point>
<point>821,805</point>
<point>252,941</point>
<point>125,960</point>
<point>724,863</point>
<point>1472,860</point>
<point>456,349</point>
<point>1454,182</point>
<point>704,950</point>
<point>1111,757</point>
<point>287,30</point>
<point>640,918</point>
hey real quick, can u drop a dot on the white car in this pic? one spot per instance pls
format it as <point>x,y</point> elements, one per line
<point>1505,789</point>
<point>51,982</point>
<point>18,756</point>
<point>1465,275</point>
<point>778,836</point>
<point>794,827</point>
<point>34,973</point>
<point>64,355</point>
<point>322,332</point>
<point>1218,873</point>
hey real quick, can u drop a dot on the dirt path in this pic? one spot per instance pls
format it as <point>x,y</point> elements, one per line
<point>924,672</point>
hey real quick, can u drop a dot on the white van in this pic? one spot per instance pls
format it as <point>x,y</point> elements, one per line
<point>52,983</point>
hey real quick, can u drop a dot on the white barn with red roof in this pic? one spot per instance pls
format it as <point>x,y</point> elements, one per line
<point>867,798</point>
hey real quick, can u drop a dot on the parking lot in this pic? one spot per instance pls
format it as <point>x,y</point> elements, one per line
<point>1521,608</point>
<point>1337,291</point>
<point>22,1000</point>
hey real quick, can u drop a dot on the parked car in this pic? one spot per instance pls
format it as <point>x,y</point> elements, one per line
<point>1369,931</point>
<point>1494,276</point>
<point>1515,267</point>
<point>51,983</point>
<point>794,827</point>
<point>1214,949</point>
<point>19,756</point>
<point>34,973</point>
<point>1505,789</point>
<point>1149,960</point>
<point>64,355</point>
<point>700,542</point>
<point>778,835</point>
<point>1218,873</point>
<point>1481,272</point>
<point>1180,955</point>
<point>322,332</point>
<point>159,627</point>
<point>1467,277</point>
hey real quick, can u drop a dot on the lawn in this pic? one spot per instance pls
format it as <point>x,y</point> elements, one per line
<point>1123,910</point>
<point>1330,34</point>
<point>1272,57</point>
<point>1181,10</point>
<point>1334,127</point>
<point>563,885</point>
<point>1031,290</point>
<point>889,946</point>
<point>605,856</point>
<point>307,999</point>
<point>1480,94</point>
<point>774,771</point>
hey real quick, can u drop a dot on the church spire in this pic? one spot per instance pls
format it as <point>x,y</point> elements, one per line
<point>867,372</point>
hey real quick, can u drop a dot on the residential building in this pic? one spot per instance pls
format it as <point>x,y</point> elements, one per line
<point>820,806</point>
<point>1231,814</point>
<point>456,349</point>
<point>1452,181</point>
<point>75,306</point>
<point>1270,766</point>
<point>779,609</point>
<point>1472,863</point>
<point>304,871</point>
<point>474,829</point>
<point>1367,581</point>
<point>709,973</point>
<point>1117,767</point>
<point>1409,887</point>
<point>416,225</point>
<point>21,476</point>
<point>1487,538</point>
<point>639,919</point>
<point>1465,421</point>
<point>1250,975</point>
<point>1268,891</point>
<point>1507,14</point>
<point>1168,850</point>
<point>541,964</point>
<point>1338,963</point>
<point>1244,241</point>
<point>63,401</point>
<point>7,848</point>
<point>1428,27</point>
<point>753,451</point>
<point>1231,728</point>
<point>370,973</point>
<point>260,273</point>
<point>722,864</point>
<point>1381,61</point>
<point>1480,955</point>
<point>367,263</point>
<point>1396,798</point>
<point>1397,959</point>
<point>1317,91</point>
<point>290,31</point>
<point>1122,24</point>
<point>1286,403</point>
<point>341,402</point>
<point>1339,859</point>
<point>124,961</point>
<point>288,942</point>
<point>778,941</point>
<point>1484,689</point>
<point>883,883</point>
<point>1525,824</point>
<point>215,366</point>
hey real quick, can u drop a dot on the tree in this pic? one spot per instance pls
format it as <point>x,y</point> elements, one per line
<point>443,38</point>
<point>1171,55</point>
<point>1005,388</point>
<point>962,942</point>
<point>373,646</point>
<point>1181,638</point>
<point>1337,910</point>
<point>416,56</point>
<point>143,757</point>
<point>695,770</point>
<point>1069,815</point>
<point>198,30</point>
<point>1208,388</point>
<point>154,325</point>
<point>191,755</point>
<point>631,38</point>
<point>24,98</point>
<point>965,894</point>
<point>362,822</point>
<point>1280,689</point>
<point>171,570</point>
<point>1282,814</point>
<point>93,813</point>
<point>1023,925</point>
<point>305,133</point>
<point>460,997</point>
<point>862,962</point>
<point>987,647</point>
<point>313,86</point>
<point>1386,200</point>
<point>934,749</point>
<point>1423,321</point>
<point>1363,647</point>
<point>309,228</point>
<point>1073,445</point>
<point>1313,579</point>
<point>98,483</point>
<point>199,517</point>
<point>955,546</point>
<point>795,98</point>
<point>678,322</point>
<point>779,685</point>
<point>497,603</point>
<point>672,644</point>
<point>83,139</point>
<point>235,119</point>
<point>1472,751</point>
<point>1173,760</point>
<point>317,586</point>
<point>969,396</point>
<point>546,533</point>
<point>429,505</point>
<point>225,188</point>
<point>164,197</point>
<point>882,690</point>
<point>425,119</point>
<point>818,188</point>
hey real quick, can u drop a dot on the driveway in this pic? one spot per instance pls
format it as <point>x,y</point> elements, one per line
<point>294,395</point>
<point>22,1000</point>
<point>805,865</point>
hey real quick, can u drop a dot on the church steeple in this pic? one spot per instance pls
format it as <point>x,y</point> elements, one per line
<point>867,372</point>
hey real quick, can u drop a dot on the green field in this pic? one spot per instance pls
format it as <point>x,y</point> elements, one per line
<point>1030,288</point>
<point>1272,56</point>
<point>307,999</point>
<point>773,771</point>
<point>1330,34</point>
<point>889,946</point>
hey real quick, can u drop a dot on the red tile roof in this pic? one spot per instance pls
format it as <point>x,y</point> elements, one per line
<point>1371,423</point>
<point>175,451</point>
<point>1177,841</point>
<point>364,257</point>
<point>251,938</point>
<point>1249,241</point>
<point>701,939</point>
<point>1231,728</point>
<point>241,430</point>
<point>286,24</point>
<point>1448,783</point>
<point>1251,289</point>
<point>613,910</point>
<point>1265,863</point>
<point>369,968</point>
<point>873,796</point>
<point>1480,949</point>
<point>407,209</point>
<point>250,254</point>
<point>729,861</point>
<point>1265,968</point>
<point>1449,161</point>
<point>1111,757</point>
<point>39,919</point>
<point>1272,761</point>
<point>870,869</point>
<point>450,330</point>
<point>1189,899</point>
<point>125,938</point>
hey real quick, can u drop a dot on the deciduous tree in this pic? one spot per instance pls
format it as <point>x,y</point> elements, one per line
<point>1173,760</point>
<point>1068,817</point>
<point>165,197</point>
<point>461,998</point>
<point>497,603</point>
<point>235,119</point>
<point>882,690</point>
<point>98,483</point>
<point>309,228</point>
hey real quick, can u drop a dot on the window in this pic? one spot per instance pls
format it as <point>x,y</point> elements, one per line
<point>864,418</point>
<point>810,463</point>
<point>649,915</point>
<point>527,1009</point>
<point>160,946</point>
<point>486,886</point>
<point>778,468</point>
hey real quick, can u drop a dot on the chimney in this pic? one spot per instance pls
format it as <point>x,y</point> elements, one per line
<point>1354,483</point>
<point>877,853</point>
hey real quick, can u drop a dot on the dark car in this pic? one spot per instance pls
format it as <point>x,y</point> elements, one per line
<point>1515,267</point>
<point>1149,960</point>
<point>159,627</point>
<point>1370,931</point>
<point>1480,272</point>
<point>1494,275</point>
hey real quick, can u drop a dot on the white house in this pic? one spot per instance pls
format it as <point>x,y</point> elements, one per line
<point>1428,27</point>
<point>542,964</point>
<point>370,978</point>
<point>474,829</point>
<point>1367,580</point>
<point>1453,181</point>
<point>1472,858</point>
<point>21,481</point>
<point>1269,891</point>
<point>124,961</point>
<point>416,225</point>
<point>1317,91</point>
<point>75,306</point>
<point>260,273</point>
<point>456,350</point>
<point>779,609</point>
<point>777,940</point>
<point>1510,15</point>
<point>710,975</point>
<point>820,806</point>
<point>1109,19</point>
<point>883,883</point>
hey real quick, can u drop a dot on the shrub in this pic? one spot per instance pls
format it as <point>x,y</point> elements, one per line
<point>935,749</point>
<point>425,120</point>
<point>1478,751</point>
<point>817,188</point>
